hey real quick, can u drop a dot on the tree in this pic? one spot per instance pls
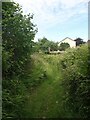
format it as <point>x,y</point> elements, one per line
<point>64,46</point>
<point>53,46</point>
<point>18,33</point>
<point>44,44</point>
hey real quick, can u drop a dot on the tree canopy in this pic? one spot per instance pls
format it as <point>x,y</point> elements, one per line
<point>64,46</point>
<point>18,33</point>
<point>44,44</point>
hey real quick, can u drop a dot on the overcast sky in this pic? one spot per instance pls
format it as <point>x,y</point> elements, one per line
<point>57,19</point>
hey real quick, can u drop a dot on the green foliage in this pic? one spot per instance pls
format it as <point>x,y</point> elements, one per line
<point>18,33</point>
<point>53,46</point>
<point>20,75</point>
<point>14,97</point>
<point>64,46</point>
<point>36,74</point>
<point>45,70</point>
<point>76,80</point>
<point>44,44</point>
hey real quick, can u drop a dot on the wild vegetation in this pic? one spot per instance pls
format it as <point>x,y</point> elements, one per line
<point>18,33</point>
<point>39,85</point>
<point>44,45</point>
<point>76,80</point>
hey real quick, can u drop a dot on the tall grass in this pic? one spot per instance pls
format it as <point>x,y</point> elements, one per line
<point>54,86</point>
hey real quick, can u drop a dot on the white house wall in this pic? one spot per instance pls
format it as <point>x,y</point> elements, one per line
<point>69,41</point>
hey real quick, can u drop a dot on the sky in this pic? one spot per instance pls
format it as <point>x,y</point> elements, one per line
<point>57,19</point>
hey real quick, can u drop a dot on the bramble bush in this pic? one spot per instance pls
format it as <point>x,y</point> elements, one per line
<point>17,34</point>
<point>76,80</point>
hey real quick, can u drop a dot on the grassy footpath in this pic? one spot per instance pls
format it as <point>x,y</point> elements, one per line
<point>53,86</point>
<point>46,101</point>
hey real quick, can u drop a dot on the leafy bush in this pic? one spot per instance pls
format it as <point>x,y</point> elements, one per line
<point>18,33</point>
<point>64,46</point>
<point>76,81</point>
<point>44,45</point>
<point>14,96</point>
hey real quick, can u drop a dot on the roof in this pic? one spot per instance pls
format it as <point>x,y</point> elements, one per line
<point>66,38</point>
<point>78,39</point>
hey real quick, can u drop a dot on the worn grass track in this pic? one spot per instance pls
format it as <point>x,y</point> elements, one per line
<point>46,101</point>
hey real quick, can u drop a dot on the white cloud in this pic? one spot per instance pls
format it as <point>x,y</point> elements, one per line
<point>48,13</point>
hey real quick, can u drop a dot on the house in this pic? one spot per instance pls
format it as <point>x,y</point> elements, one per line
<point>71,42</point>
<point>79,41</point>
<point>68,40</point>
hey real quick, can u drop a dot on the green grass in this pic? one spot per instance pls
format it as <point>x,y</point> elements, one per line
<point>47,100</point>
<point>53,86</point>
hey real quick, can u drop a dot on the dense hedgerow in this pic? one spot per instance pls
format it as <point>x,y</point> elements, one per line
<point>76,80</point>
<point>17,33</point>
<point>14,97</point>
